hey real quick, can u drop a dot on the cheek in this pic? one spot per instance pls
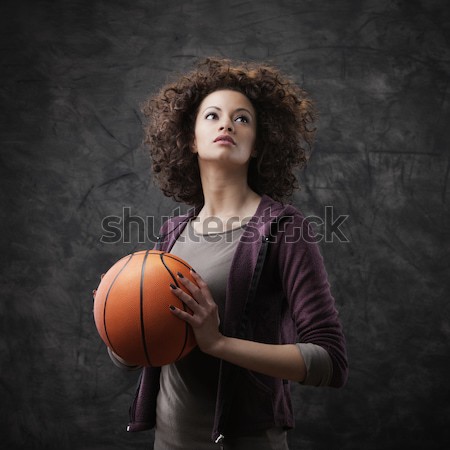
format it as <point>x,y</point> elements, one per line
<point>252,139</point>
<point>199,131</point>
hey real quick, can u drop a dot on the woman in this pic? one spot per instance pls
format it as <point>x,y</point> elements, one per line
<point>225,139</point>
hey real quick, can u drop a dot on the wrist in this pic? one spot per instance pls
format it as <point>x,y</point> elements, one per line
<point>217,348</point>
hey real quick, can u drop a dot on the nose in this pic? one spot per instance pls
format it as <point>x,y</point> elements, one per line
<point>227,125</point>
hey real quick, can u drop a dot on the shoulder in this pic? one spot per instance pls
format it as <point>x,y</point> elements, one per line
<point>275,217</point>
<point>171,229</point>
<point>174,222</point>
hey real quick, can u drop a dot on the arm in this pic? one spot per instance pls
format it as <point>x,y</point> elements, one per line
<point>312,305</point>
<point>281,361</point>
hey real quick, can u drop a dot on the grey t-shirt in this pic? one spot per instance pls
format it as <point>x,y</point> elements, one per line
<point>187,396</point>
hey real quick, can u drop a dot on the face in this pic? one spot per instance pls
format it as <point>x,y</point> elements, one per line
<point>225,129</point>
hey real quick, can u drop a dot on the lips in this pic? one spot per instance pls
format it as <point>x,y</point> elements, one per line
<point>225,138</point>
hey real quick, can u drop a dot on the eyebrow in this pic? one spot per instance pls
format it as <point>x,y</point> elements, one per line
<point>235,111</point>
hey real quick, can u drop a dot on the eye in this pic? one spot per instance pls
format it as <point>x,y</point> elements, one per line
<point>211,116</point>
<point>243,119</point>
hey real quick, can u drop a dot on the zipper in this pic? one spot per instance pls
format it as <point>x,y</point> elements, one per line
<point>132,409</point>
<point>220,440</point>
<point>241,332</point>
<point>158,243</point>
<point>253,286</point>
<point>266,239</point>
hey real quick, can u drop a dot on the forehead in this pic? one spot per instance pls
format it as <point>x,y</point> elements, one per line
<point>227,98</point>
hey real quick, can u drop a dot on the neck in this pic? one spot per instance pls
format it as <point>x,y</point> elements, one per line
<point>228,197</point>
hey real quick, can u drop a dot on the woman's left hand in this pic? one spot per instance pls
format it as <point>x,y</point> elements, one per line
<point>204,319</point>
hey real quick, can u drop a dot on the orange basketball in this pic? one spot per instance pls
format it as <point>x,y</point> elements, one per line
<point>131,309</point>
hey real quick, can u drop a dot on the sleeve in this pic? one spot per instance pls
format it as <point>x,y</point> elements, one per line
<point>120,363</point>
<point>311,303</point>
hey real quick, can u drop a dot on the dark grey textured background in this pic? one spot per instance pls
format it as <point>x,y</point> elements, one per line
<point>73,73</point>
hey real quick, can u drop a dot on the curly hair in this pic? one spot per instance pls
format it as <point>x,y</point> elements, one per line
<point>284,135</point>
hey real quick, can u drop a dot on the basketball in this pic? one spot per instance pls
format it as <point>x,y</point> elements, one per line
<point>131,309</point>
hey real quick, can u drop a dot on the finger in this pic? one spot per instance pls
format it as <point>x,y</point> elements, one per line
<point>191,287</point>
<point>198,279</point>
<point>185,298</point>
<point>199,291</point>
<point>183,315</point>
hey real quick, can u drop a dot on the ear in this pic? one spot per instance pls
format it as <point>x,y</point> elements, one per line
<point>194,146</point>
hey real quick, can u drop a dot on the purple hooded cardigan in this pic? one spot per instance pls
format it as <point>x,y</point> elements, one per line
<point>278,293</point>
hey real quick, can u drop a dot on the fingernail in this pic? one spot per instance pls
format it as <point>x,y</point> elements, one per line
<point>180,275</point>
<point>172,286</point>
<point>172,307</point>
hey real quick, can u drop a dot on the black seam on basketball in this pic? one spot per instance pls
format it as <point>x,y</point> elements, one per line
<point>168,255</point>
<point>161,257</point>
<point>186,333</point>
<point>106,301</point>
<point>144,342</point>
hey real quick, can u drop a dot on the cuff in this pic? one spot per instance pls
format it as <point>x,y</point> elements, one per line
<point>319,367</point>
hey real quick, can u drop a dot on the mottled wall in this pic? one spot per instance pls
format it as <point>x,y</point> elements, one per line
<point>73,73</point>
